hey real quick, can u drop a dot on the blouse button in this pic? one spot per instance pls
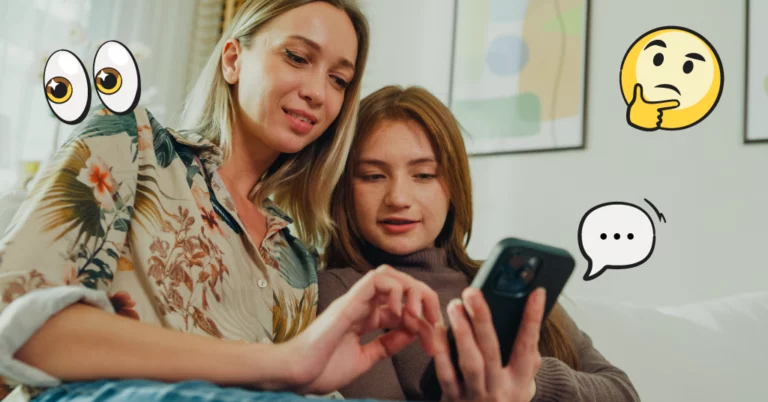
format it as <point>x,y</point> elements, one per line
<point>262,283</point>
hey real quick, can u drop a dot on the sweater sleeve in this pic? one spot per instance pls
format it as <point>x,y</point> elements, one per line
<point>597,380</point>
<point>380,382</point>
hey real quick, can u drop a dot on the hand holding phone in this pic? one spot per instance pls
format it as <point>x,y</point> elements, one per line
<point>483,376</point>
<point>505,311</point>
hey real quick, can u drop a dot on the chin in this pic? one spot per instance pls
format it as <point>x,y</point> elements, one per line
<point>290,143</point>
<point>399,246</point>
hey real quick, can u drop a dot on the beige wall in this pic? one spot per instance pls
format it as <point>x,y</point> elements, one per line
<point>712,188</point>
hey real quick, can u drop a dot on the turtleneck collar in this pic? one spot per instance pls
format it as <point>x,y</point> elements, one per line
<point>431,259</point>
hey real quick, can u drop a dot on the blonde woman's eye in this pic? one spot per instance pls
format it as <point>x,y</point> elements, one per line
<point>294,58</point>
<point>116,77</point>
<point>373,177</point>
<point>67,88</point>
<point>425,176</point>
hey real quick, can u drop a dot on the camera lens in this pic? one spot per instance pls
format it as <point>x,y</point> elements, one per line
<point>510,282</point>
<point>518,273</point>
<point>526,274</point>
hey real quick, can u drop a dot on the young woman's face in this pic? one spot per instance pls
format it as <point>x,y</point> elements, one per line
<point>290,83</point>
<point>401,201</point>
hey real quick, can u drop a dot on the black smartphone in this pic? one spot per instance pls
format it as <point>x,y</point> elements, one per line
<point>514,269</point>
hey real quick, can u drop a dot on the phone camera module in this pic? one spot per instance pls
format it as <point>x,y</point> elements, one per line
<point>518,273</point>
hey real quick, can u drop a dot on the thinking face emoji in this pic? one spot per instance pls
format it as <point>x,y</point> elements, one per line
<point>671,78</point>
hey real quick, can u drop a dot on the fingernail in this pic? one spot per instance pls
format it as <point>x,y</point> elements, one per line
<point>453,310</point>
<point>468,307</point>
<point>469,293</point>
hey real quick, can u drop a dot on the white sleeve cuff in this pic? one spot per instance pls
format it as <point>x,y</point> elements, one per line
<point>26,315</point>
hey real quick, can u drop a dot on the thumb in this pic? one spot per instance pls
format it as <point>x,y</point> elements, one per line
<point>386,346</point>
<point>638,93</point>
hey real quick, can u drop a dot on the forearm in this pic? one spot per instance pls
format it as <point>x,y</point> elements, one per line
<point>85,343</point>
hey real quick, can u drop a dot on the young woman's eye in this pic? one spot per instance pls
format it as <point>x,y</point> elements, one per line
<point>294,58</point>
<point>425,176</point>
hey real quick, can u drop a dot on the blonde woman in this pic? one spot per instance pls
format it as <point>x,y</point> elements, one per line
<point>150,264</point>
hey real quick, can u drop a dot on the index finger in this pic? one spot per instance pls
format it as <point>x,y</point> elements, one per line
<point>375,287</point>
<point>523,359</point>
<point>444,370</point>
<point>664,105</point>
<point>485,333</point>
<point>430,300</point>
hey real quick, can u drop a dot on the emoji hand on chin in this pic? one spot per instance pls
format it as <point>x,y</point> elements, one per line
<point>647,115</point>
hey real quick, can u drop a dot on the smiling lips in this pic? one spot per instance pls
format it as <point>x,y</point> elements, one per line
<point>669,86</point>
<point>300,121</point>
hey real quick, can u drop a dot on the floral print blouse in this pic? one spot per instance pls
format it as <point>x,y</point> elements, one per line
<point>132,217</point>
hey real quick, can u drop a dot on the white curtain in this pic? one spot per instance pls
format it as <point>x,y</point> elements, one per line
<point>169,38</point>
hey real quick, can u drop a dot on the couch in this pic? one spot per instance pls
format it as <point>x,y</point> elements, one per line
<point>710,351</point>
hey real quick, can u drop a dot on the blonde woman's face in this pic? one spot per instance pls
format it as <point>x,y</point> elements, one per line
<point>400,198</point>
<point>290,83</point>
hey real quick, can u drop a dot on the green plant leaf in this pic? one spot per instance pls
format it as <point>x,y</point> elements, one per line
<point>122,225</point>
<point>113,254</point>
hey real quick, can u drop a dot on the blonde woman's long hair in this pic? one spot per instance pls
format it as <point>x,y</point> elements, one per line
<point>301,183</point>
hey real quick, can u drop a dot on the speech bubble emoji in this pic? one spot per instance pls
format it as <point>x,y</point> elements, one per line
<point>671,79</point>
<point>616,235</point>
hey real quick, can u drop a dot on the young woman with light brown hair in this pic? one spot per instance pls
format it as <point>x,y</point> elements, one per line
<point>405,199</point>
<point>149,264</point>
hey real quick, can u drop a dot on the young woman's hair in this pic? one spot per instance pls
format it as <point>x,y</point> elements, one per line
<point>392,104</point>
<point>301,183</point>
<point>415,104</point>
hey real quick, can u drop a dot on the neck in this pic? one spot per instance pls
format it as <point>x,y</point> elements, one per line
<point>248,160</point>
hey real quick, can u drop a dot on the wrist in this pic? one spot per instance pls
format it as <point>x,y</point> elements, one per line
<point>532,394</point>
<point>275,366</point>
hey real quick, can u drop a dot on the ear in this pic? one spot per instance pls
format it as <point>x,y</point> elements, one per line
<point>230,61</point>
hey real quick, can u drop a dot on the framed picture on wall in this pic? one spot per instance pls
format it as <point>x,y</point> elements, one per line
<point>519,74</point>
<point>756,87</point>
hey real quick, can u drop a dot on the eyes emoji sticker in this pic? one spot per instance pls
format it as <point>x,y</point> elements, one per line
<point>116,80</point>
<point>671,79</point>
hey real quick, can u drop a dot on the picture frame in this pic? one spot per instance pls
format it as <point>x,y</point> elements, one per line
<point>508,91</point>
<point>755,76</point>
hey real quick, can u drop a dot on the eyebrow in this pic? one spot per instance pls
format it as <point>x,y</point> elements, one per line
<point>378,162</point>
<point>657,42</point>
<point>314,45</point>
<point>695,56</point>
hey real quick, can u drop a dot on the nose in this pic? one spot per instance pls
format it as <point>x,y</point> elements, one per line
<point>313,89</point>
<point>398,194</point>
